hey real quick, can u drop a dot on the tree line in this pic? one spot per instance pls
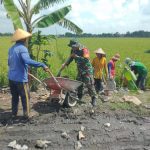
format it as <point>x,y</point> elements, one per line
<point>5,34</point>
<point>117,34</point>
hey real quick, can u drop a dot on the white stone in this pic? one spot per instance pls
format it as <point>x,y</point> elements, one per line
<point>65,135</point>
<point>82,128</point>
<point>107,124</point>
<point>80,135</point>
<point>12,144</point>
<point>78,145</point>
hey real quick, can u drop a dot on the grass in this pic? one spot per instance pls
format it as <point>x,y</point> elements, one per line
<point>127,47</point>
<point>139,110</point>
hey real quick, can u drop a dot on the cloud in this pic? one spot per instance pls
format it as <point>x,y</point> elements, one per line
<point>108,15</point>
<point>145,7</point>
<point>98,16</point>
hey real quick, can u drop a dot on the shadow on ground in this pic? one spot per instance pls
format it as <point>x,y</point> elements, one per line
<point>6,118</point>
<point>46,107</point>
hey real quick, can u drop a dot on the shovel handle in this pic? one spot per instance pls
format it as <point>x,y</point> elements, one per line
<point>54,78</point>
<point>37,79</point>
<point>63,66</point>
<point>59,73</point>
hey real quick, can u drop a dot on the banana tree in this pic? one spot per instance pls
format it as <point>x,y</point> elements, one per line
<point>26,11</point>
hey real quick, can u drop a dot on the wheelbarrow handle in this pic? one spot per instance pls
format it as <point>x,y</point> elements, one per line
<point>54,78</point>
<point>37,79</point>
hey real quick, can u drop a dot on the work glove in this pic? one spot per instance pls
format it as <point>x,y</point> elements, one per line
<point>63,66</point>
<point>73,55</point>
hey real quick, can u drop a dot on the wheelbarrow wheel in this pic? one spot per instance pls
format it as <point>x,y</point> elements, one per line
<point>69,101</point>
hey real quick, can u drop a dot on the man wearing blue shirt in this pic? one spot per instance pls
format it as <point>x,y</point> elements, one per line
<point>18,61</point>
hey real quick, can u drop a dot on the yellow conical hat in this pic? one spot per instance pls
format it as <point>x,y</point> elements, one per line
<point>20,34</point>
<point>99,51</point>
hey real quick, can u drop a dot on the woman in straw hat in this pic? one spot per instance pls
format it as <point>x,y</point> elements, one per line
<point>18,61</point>
<point>111,66</point>
<point>99,63</point>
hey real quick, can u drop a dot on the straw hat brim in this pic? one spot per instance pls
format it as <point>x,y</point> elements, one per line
<point>99,51</point>
<point>20,34</point>
<point>115,58</point>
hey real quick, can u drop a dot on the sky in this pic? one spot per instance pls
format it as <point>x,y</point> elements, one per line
<point>96,16</point>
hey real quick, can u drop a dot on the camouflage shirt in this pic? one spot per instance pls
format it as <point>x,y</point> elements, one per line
<point>83,64</point>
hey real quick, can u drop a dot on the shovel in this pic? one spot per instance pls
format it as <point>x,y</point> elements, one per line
<point>54,79</point>
<point>59,72</point>
<point>62,68</point>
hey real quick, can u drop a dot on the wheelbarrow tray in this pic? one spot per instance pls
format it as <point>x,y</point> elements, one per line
<point>65,83</point>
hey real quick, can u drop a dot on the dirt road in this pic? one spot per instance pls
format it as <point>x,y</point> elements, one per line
<point>103,129</point>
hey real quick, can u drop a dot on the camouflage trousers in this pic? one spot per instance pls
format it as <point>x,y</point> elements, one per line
<point>88,81</point>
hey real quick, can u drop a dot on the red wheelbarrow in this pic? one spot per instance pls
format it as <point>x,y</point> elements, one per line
<point>63,91</point>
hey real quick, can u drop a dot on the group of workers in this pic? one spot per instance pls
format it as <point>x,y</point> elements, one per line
<point>90,73</point>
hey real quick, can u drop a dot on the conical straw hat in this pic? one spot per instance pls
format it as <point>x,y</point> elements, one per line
<point>100,51</point>
<point>116,57</point>
<point>20,34</point>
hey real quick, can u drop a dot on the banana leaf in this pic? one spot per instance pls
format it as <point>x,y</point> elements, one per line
<point>44,4</point>
<point>53,18</point>
<point>13,13</point>
<point>70,26</point>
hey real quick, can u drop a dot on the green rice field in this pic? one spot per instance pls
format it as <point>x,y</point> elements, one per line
<point>127,47</point>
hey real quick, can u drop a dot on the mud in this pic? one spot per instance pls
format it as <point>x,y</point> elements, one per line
<point>127,131</point>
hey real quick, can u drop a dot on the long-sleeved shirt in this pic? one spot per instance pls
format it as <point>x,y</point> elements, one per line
<point>77,52</point>
<point>84,66</point>
<point>111,69</point>
<point>139,68</point>
<point>99,65</point>
<point>18,61</point>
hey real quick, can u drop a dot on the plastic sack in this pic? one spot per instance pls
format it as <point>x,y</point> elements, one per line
<point>129,75</point>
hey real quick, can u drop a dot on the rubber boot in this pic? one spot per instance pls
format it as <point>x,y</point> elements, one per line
<point>93,101</point>
<point>26,115</point>
<point>80,96</point>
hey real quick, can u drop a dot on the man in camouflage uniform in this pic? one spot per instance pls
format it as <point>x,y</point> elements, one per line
<point>85,70</point>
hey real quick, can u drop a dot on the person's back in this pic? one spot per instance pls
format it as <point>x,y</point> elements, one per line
<point>18,61</point>
<point>111,65</point>
<point>139,68</point>
<point>111,68</point>
<point>17,69</point>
